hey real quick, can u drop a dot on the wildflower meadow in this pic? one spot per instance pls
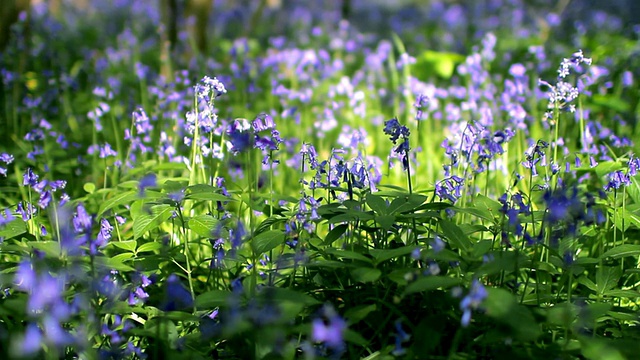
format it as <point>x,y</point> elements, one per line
<point>293,179</point>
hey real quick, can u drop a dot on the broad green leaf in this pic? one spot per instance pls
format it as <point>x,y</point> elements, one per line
<point>129,245</point>
<point>622,251</point>
<point>208,196</point>
<point>385,221</point>
<point>354,337</point>
<point>502,306</point>
<point>150,246</point>
<point>454,234</point>
<point>50,248</point>
<point>122,198</point>
<point>269,222</point>
<point>477,212</point>
<point>203,225</point>
<point>212,299</point>
<point>146,222</point>
<point>345,254</point>
<point>631,294</point>
<point>377,204</point>
<point>335,234</point>
<point>381,255</point>
<point>266,241</point>
<point>406,203</point>
<point>634,190</point>
<point>330,264</point>
<point>587,282</point>
<point>605,167</point>
<point>365,274</point>
<point>14,228</point>
<point>359,312</point>
<point>607,278</point>
<point>429,283</point>
<point>110,263</point>
<point>481,248</point>
<point>596,349</point>
<point>350,216</point>
<point>585,261</point>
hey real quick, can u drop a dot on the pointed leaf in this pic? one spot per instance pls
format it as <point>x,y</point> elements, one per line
<point>335,234</point>
<point>622,251</point>
<point>429,283</point>
<point>268,240</point>
<point>146,222</point>
<point>365,274</point>
<point>203,225</point>
<point>377,204</point>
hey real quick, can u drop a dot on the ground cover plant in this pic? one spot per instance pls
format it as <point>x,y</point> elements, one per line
<point>419,180</point>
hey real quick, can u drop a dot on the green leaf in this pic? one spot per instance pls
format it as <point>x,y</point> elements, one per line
<point>345,254</point>
<point>335,234</point>
<point>204,192</point>
<point>481,248</point>
<point>483,202</point>
<point>112,263</point>
<point>377,204</point>
<point>477,212</point>
<point>269,222</point>
<point>14,228</point>
<point>429,283</point>
<point>622,251</point>
<point>406,203</point>
<point>381,255</point>
<point>502,306</point>
<point>386,221</point>
<point>631,294</point>
<point>89,187</point>
<point>129,245</point>
<point>50,248</point>
<point>606,167</point>
<point>150,246</point>
<point>203,225</point>
<point>267,240</point>
<point>634,190</point>
<point>119,199</point>
<point>365,274</point>
<point>354,337</point>
<point>357,313</point>
<point>146,222</point>
<point>212,299</point>
<point>607,278</point>
<point>454,234</point>
<point>596,349</point>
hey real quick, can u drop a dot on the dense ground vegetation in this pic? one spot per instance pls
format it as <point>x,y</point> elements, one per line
<point>421,180</point>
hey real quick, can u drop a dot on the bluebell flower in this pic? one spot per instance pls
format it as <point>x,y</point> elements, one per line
<point>177,297</point>
<point>7,159</point>
<point>437,244</point>
<point>472,301</point>
<point>149,180</point>
<point>401,337</point>
<point>29,178</point>
<point>617,179</point>
<point>240,137</point>
<point>329,329</point>
<point>395,130</point>
<point>6,218</point>
<point>177,196</point>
